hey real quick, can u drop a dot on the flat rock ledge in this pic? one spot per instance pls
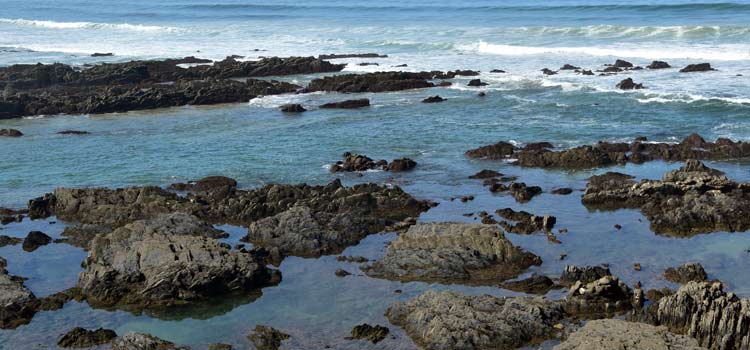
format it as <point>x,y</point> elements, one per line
<point>614,334</point>
<point>166,261</point>
<point>452,252</point>
<point>692,200</point>
<point>542,155</point>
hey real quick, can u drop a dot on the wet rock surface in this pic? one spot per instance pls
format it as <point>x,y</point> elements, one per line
<point>267,338</point>
<point>572,274</point>
<point>358,162</point>
<point>452,252</point>
<point>373,334</point>
<point>618,334</point>
<point>292,108</point>
<point>629,84</point>
<point>373,82</point>
<point>433,99</point>
<point>166,261</point>
<point>348,104</point>
<point>140,341</point>
<point>536,284</point>
<point>685,273</point>
<point>694,199</point>
<point>17,303</point>
<point>704,311</point>
<point>34,240</point>
<point>698,67</point>
<point>607,154</point>
<point>83,338</point>
<point>10,132</point>
<point>525,223</point>
<point>7,240</point>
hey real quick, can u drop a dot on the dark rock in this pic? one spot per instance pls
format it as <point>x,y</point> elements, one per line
<point>17,303</point>
<point>694,199</point>
<point>537,146</point>
<point>465,199</point>
<point>611,69</point>
<point>403,164</point>
<point>569,67</point>
<point>351,55</point>
<point>618,227</point>
<point>453,74</point>
<point>368,64</point>
<point>10,132</point>
<point>622,64</point>
<point>700,67</point>
<point>536,284</point>
<point>686,273</point>
<point>352,259</point>
<point>629,84</point>
<point>481,94</point>
<point>372,333</point>
<point>658,65</point>
<point>401,65</point>
<point>356,162</point>
<point>372,82</point>
<point>586,72</point>
<point>99,54</point>
<point>476,82</point>
<point>497,151</point>
<point>166,261</point>
<point>73,132</point>
<point>140,341</point>
<point>497,71</point>
<point>342,273</point>
<point>656,294</point>
<point>219,346</point>
<point>358,103</point>
<point>207,184</point>
<point>526,223</point>
<point>451,252</point>
<point>7,240</point>
<point>604,296</point>
<point>41,207</point>
<point>267,338</point>
<point>548,71</point>
<point>704,311</point>
<point>83,338</point>
<point>485,174</point>
<point>433,99</point>
<point>562,191</point>
<point>293,108</point>
<point>34,240</point>
<point>586,274</point>
<point>523,193</point>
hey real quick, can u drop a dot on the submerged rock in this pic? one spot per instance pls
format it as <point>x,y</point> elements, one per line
<point>10,132</point>
<point>526,223</point>
<point>140,341</point>
<point>616,334</point>
<point>704,311</point>
<point>372,333</point>
<point>699,67</point>
<point>694,199</point>
<point>292,108</point>
<point>536,284</point>
<point>433,99</point>
<point>452,252</point>
<point>73,132</point>
<point>166,261</point>
<point>476,83</point>
<point>267,338</point>
<point>348,104</point>
<point>685,273</point>
<point>83,338</point>
<point>372,82</point>
<point>485,174</point>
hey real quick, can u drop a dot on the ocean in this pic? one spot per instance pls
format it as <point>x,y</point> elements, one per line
<point>256,144</point>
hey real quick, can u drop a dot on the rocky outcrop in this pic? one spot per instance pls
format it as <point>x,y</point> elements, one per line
<point>616,334</point>
<point>694,199</point>
<point>17,303</point>
<point>629,84</point>
<point>622,64</point>
<point>587,274</point>
<point>267,338</point>
<point>358,162</point>
<point>374,334</point>
<point>292,108</point>
<point>83,338</point>
<point>658,65</point>
<point>348,104</point>
<point>606,154</point>
<point>452,252</point>
<point>206,184</point>
<point>685,273</point>
<point>476,83</point>
<point>449,320</point>
<point>704,311</point>
<point>140,341</point>
<point>699,67</point>
<point>569,67</point>
<point>433,99</point>
<point>9,132</point>
<point>372,82</point>
<point>523,193</point>
<point>525,223</point>
<point>485,174</point>
<point>604,296</point>
<point>166,261</point>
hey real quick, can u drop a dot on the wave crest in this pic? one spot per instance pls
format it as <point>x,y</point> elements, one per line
<point>87,25</point>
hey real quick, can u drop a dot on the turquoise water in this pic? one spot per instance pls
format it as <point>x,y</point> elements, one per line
<point>256,144</point>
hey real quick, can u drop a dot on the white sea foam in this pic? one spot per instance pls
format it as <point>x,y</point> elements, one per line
<point>87,25</point>
<point>727,52</point>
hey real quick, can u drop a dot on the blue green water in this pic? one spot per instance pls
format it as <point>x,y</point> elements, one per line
<point>256,144</point>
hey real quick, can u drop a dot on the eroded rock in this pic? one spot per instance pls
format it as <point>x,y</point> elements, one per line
<point>267,338</point>
<point>685,273</point>
<point>83,338</point>
<point>616,334</point>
